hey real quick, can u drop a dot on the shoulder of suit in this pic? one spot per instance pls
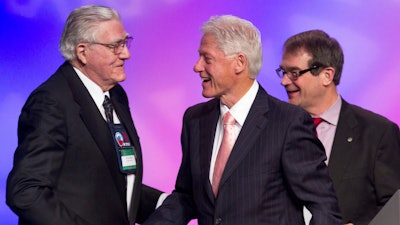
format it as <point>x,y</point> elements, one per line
<point>203,108</point>
<point>56,83</point>
<point>367,116</point>
<point>285,107</point>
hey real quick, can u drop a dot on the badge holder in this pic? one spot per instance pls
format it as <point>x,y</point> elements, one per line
<point>125,150</point>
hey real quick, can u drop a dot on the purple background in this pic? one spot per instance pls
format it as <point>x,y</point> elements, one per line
<point>161,83</point>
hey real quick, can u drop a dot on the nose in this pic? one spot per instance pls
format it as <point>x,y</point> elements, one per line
<point>285,80</point>
<point>125,54</point>
<point>198,67</point>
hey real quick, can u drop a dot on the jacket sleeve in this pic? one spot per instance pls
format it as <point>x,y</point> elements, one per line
<point>42,139</point>
<point>306,173</point>
<point>386,169</point>
<point>148,202</point>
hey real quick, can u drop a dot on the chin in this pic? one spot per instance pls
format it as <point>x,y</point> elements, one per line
<point>120,77</point>
<point>293,102</point>
<point>207,95</point>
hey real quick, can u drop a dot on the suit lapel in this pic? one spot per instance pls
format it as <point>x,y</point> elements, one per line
<point>96,125</point>
<point>123,113</point>
<point>343,145</point>
<point>122,109</point>
<point>254,124</point>
<point>208,125</point>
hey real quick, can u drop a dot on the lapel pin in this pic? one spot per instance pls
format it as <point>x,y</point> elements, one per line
<point>349,139</point>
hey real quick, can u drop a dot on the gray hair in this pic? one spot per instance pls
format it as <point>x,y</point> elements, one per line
<point>81,26</point>
<point>235,35</point>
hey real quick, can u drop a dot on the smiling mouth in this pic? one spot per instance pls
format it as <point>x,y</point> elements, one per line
<point>293,91</point>
<point>205,79</point>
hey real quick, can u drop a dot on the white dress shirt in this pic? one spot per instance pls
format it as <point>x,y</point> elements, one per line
<point>239,111</point>
<point>98,95</point>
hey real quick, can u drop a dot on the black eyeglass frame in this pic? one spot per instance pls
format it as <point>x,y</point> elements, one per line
<point>294,75</point>
<point>118,46</point>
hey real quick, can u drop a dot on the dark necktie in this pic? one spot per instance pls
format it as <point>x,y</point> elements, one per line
<point>108,109</point>
<point>317,121</point>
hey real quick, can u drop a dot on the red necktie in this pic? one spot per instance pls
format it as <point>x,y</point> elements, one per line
<point>228,140</point>
<point>317,121</point>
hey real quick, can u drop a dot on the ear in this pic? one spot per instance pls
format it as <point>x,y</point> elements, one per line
<point>240,63</point>
<point>327,75</point>
<point>81,53</point>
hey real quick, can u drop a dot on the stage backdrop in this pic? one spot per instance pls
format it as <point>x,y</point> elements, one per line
<point>161,83</point>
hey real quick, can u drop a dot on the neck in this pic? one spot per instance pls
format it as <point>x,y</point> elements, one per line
<point>323,105</point>
<point>235,94</point>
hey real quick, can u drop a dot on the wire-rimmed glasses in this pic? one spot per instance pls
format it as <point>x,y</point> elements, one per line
<point>118,46</point>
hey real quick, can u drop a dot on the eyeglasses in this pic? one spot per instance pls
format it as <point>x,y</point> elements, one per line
<point>118,46</point>
<point>293,75</point>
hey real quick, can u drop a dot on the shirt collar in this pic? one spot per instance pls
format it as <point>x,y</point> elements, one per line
<point>332,114</point>
<point>240,110</point>
<point>95,91</point>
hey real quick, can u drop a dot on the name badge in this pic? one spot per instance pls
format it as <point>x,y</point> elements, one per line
<point>125,150</point>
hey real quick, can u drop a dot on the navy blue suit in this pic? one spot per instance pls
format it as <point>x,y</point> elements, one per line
<point>276,166</point>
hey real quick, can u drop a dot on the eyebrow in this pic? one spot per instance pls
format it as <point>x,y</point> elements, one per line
<point>121,39</point>
<point>290,68</point>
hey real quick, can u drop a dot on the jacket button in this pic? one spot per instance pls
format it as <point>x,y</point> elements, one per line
<point>218,221</point>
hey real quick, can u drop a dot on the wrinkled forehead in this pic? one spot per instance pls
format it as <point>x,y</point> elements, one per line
<point>209,43</point>
<point>111,31</point>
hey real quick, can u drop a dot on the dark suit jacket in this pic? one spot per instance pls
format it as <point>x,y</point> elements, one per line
<point>276,166</point>
<point>65,167</point>
<point>364,163</point>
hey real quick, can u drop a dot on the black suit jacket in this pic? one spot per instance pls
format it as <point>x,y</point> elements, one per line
<point>364,163</point>
<point>65,166</point>
<point>276,166</point>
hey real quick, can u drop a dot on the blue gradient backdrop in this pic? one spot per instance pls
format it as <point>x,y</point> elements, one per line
<point>161,83</point>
